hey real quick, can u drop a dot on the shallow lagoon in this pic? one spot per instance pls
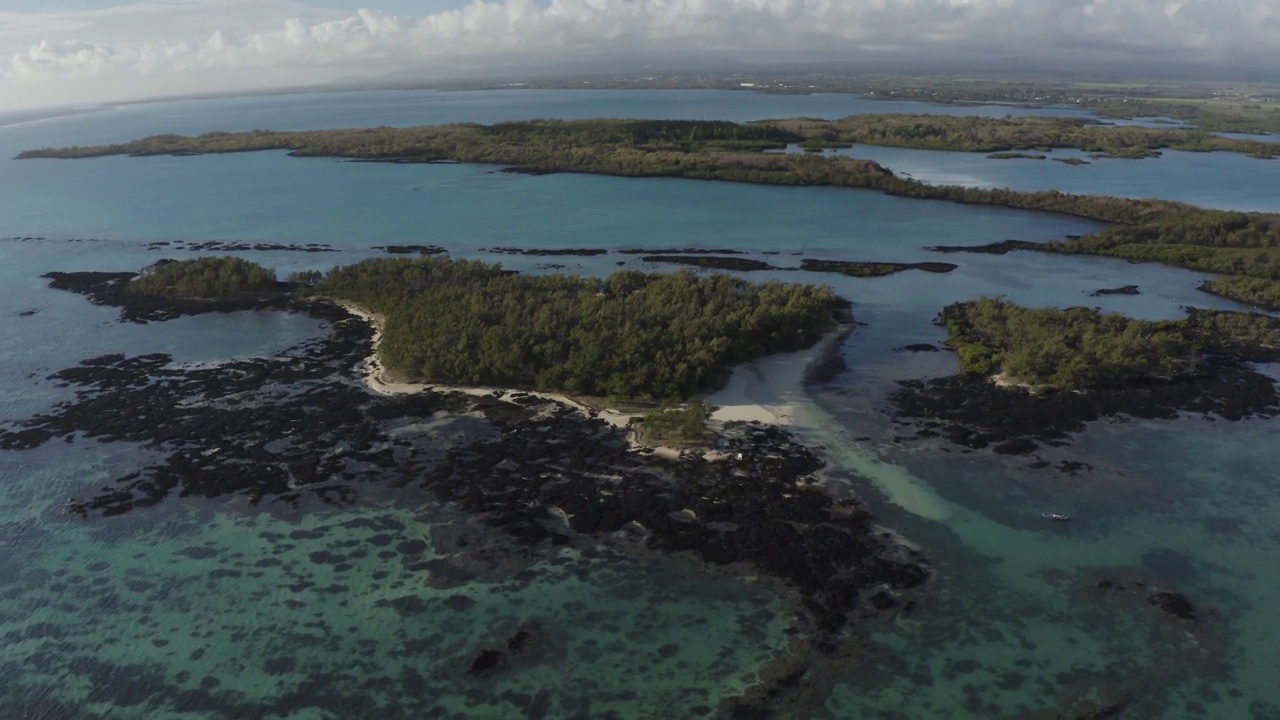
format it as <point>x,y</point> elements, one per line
<point>123,611</point>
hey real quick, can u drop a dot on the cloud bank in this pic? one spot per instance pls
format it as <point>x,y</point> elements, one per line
<point>201,45</point>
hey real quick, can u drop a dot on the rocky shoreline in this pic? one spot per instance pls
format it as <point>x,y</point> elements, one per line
<point>300,427</point>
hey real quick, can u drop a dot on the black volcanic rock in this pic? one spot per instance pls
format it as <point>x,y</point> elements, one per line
<point>872,269</point>
<point>711,261</point>
<point>1125,290</point>
<point>995,248</point>
<point>1172,603</point>
<point>411,249</point>
<point>580,252</point>
<point>976,413</point>
<point>681,251</point>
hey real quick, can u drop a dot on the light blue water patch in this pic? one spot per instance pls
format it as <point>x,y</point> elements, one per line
<point>1222,180</point>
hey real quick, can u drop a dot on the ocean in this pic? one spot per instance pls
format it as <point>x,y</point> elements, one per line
<point>215,608</point>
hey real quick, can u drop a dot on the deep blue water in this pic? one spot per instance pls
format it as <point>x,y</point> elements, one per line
<point>1189,501</point>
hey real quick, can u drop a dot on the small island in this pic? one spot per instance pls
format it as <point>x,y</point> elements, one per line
<point>631,335</point>
<point>1036,375</point>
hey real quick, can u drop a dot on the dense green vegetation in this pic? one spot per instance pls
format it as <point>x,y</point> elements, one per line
<point>1002,135</point>
<point>635,335</point>
<point>675,426</point>
<point>1258,292</point>
<point>1233,243</point>
<point>1080,348</point>
<point>217,278</point>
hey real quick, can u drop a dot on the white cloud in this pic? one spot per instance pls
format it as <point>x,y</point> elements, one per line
<point>156,47</point>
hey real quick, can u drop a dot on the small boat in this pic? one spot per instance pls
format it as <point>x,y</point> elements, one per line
<point>1060,517</point>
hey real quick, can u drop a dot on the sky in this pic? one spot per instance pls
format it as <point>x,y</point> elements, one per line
<point>66,52</point>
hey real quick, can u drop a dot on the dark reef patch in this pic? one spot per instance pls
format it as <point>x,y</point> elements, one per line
<point>681,251</point>
<point>974,412</point>
<point>411,249</point>
<point>995,248</point>
<point>872,269</point>
<point>549,252</point>
<point>112,289</point>
<point>711,261</point>
<point>1123,290</point>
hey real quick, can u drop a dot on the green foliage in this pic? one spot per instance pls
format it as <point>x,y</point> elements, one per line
<point>1008,134</point>
<point>1069,348</point>
<point>206,278</point>
<point>1243,245</point>
<point>677,426</point>
<point>636,335</point>
<point>1079,348</point>
<point>1258,292</point>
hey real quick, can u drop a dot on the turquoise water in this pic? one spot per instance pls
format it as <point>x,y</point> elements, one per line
<point>212,609</point>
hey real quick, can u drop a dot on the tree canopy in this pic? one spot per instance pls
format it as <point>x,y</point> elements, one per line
<point>635,335</point>
<point>1084,347</point>
<point>213,278</point>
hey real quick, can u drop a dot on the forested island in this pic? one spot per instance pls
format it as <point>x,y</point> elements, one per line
<point>1242,246</point>
<point>660,336</point>
<point>1029,378</point>
<point>1084,348</point>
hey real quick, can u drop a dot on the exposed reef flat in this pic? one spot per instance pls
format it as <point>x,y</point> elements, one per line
<point>872,269</point>
<point>299,427</point>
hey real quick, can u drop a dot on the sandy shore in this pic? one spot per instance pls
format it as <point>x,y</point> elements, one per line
<point>768,390</point>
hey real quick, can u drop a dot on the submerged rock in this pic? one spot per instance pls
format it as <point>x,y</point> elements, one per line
<point>1172,603</point>
<point>1124,290</point>
<point>872,269</point>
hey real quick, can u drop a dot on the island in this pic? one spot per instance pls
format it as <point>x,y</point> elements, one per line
<point>1031,376</point>
<point>1241,246</point>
